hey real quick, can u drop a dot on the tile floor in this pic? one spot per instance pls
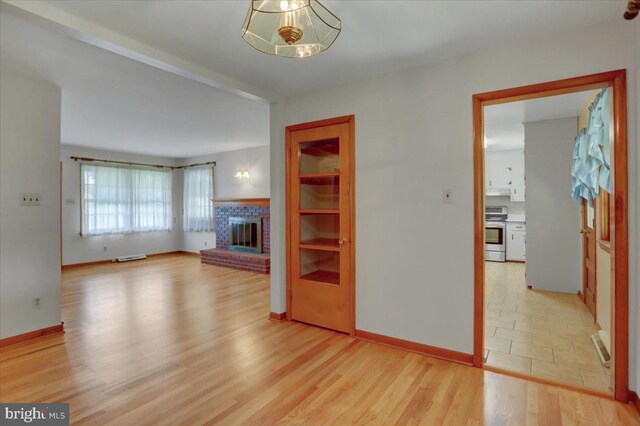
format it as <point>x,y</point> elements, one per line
<point>542,333</point>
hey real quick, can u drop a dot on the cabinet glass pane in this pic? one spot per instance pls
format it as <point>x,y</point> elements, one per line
<point>320,265</point>
<point>320,156</point>
<point>591,214</point>
<point>320,193</point>
<point>320,229</point>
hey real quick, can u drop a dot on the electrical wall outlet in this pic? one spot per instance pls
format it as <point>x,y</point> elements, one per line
<point>30,199</point>
<point>36,302</point>
<point>104,248</point>
<point>206,244</point>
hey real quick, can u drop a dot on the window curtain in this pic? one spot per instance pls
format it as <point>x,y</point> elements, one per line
<point>198,214</point>
<point>599,135</point>
<point>118,200</point>
<point>106,195</point>
<point>591,153</point>
<point>578,190</point>
<point>151,200</point>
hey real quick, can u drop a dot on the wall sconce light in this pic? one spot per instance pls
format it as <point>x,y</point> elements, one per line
<point>243,174</point>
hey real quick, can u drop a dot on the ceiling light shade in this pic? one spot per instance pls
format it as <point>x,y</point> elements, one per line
<point>290,28</point>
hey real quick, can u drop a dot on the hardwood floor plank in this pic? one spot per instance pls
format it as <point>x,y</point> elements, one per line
<point>171,341</point>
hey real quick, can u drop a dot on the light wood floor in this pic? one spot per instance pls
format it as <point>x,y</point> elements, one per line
<point>541,333</point>
<point>170,341</point>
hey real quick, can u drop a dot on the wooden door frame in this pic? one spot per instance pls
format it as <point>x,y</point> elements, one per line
<point>347,119</point>
<point>619,207</point>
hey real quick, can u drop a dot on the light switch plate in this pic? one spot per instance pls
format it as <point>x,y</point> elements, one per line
<point>30,199</point>
<point>447,196</point>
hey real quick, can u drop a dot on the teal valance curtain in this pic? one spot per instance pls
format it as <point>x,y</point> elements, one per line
<point>590,170</point>
<point>599,135</point>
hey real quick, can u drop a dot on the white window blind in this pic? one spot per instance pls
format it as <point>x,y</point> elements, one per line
<point>198,193</point>
<point>123,199</point>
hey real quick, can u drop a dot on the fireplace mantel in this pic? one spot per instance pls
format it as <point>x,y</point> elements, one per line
<point>245,202</point>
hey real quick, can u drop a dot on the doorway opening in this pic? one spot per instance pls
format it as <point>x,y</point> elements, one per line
<point>539,254</point>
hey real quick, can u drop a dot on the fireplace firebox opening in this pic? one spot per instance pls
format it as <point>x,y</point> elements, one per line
<point>245,234</point>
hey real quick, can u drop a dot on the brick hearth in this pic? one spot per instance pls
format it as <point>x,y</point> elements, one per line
<point>256,262</point>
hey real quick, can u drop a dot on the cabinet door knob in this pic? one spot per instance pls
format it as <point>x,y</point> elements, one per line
<point>341,241</point>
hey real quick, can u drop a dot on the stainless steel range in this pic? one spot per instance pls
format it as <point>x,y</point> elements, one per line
<point>494,233</point>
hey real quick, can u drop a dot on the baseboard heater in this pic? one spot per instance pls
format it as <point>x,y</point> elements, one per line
<point>131,258</point>
<point>601,342</point>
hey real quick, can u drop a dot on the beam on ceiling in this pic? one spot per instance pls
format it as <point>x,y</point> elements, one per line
<point>104,38</point>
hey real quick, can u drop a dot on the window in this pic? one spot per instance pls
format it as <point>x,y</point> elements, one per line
<point>198,194</point>
<point>119,200</point>
<point>605,226</point>
<point>590,217</point>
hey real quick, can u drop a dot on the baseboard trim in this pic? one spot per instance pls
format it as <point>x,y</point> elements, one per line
<point>634,401</point>
<point>188,253</point>
<point>278,316</point>
<point>8,341</point>
<point>420,348</point>
<point>106,261</point>
<point>95,262</point>
<point>549,382</point>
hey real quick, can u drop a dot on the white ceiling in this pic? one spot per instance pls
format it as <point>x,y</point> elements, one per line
<point>378,36</point>
<point>114,103</point>
<point>503,122</point>
<point>111,102</point>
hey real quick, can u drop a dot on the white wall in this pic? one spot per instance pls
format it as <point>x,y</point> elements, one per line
<point>80,249</point>
<point>226,185</point>
<point>414,138</point>
<point>554,258</point>
<point>30,243</point>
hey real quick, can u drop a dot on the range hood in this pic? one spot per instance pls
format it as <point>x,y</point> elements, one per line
<point>498,192</point>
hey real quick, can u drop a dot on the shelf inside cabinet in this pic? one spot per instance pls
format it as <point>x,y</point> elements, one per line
<point>321,244</point>
<point>319,211</point>
<point>328,277</point>
<point>320,178</point>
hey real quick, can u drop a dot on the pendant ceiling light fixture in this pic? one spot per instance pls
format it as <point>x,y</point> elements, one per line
<point>290,28</point>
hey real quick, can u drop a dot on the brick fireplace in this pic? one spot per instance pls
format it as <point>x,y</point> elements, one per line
<point>254,209</point>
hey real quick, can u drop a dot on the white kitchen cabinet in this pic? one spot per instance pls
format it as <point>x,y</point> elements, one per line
<point>497,170</point>
<point>504,173</point>
<point>518,182</point>
<point>516,241</point>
